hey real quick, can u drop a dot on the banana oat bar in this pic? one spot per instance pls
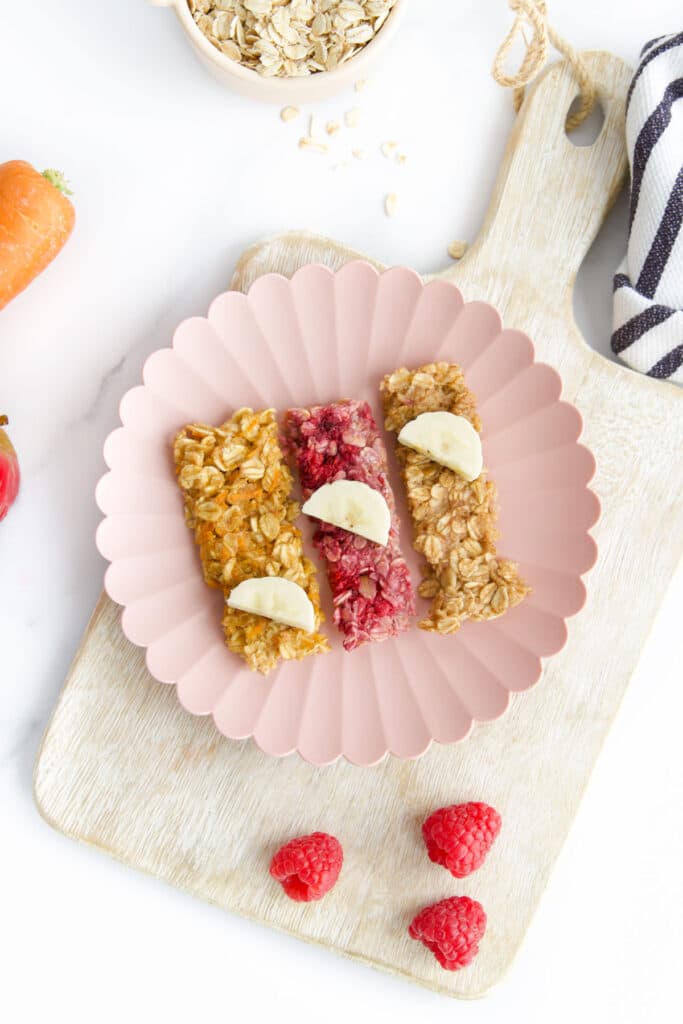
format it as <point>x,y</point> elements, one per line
<point>371,585</point>
<point>454,521</point>
<point>237,489</point>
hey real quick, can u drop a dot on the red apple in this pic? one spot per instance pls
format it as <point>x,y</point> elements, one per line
<point>9,471</point>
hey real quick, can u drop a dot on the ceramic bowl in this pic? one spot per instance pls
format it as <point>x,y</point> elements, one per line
<point>285,90</point>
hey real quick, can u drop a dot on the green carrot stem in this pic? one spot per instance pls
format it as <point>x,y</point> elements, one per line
<point>57,179</point>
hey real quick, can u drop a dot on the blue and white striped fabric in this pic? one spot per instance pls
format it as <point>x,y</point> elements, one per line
<point>648,288</point>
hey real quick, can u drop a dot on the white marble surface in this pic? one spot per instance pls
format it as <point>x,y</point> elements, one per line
<point>173,177</point>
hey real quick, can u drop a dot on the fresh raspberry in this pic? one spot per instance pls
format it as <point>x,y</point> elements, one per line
<point>9,471</point>
<point>459,837</point>
<point>452,930</point>
<point>308,866</point>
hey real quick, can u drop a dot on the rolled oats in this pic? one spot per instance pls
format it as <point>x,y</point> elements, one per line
<point>290,38</point>
<point>391,204</point>
<point>454,520</point>
<point>236,490</point>
<point>287,113</point>
<point>457,249</point>
<point>311,145</point>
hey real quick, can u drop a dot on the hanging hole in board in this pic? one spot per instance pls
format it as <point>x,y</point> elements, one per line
<point>588,131</point>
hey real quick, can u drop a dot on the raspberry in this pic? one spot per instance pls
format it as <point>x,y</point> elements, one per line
<point>459,837</point>
<point>308,866</point>
<point>452,930</point>
<point>9,471</point>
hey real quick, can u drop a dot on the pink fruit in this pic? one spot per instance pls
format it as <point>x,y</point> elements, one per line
<point>9,471</point>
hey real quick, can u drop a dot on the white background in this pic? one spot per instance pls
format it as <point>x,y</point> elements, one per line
<point>174,176</point>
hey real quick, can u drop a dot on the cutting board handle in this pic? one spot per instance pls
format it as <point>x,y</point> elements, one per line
<point>551,196</point>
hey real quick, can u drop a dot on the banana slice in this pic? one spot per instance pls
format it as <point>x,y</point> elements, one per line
<point>353,506</point>
<point>446,438</point>
<point>275,598</point>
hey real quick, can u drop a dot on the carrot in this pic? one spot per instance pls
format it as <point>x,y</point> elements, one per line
<point>36,219</point>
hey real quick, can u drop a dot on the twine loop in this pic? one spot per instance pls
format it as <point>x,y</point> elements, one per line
<point>532,15</point>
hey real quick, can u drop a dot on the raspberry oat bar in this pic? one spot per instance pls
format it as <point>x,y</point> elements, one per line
<point>454,520</point>
<point>236,489</point>
<point>371,586</point>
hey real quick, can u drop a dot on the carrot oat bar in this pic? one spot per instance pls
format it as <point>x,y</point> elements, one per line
<point>454,520</point>
<point>370,583</point>
<point>236,489</point>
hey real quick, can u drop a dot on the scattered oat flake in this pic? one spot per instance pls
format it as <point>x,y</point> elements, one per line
<point>401,158</point>
<point>352,117</point>
<point>314,126</point>
<point>360,84</point>
<point>358,154</point>
<point>306,142</point>
<point>388,148</point>
<point>332,127</point>
<point>390,204</point>
<point>457,249</point>
<point>289,113</point>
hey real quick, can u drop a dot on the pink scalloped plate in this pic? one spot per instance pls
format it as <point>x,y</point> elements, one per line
<point>320,337</point>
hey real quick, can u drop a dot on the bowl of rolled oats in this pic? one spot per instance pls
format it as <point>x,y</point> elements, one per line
<point>288,50</point>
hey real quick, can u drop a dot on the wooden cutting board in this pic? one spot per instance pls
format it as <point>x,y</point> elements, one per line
<point>123,768</point>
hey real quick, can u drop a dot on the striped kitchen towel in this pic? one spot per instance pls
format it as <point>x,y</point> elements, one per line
<point>648,287</point>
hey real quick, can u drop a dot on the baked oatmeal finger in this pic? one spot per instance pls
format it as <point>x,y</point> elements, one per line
<point>454,519</point>
<point>370,582</point>
<point>236,489</point>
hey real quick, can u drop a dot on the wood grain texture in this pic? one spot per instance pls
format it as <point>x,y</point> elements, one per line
<point>124,768</point>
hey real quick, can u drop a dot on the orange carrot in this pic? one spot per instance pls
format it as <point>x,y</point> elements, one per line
<point>36,219</point>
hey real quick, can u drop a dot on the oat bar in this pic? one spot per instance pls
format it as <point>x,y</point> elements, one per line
<point>454,521</point>
<point>371,585</point>
<point>237,489</point>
